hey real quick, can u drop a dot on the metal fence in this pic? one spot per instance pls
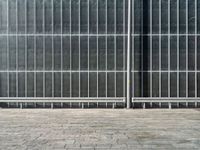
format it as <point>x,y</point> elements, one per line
<point>165,53</point>
<point>92,51</point>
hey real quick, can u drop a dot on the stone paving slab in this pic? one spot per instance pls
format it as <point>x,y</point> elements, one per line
<point>99,129</point>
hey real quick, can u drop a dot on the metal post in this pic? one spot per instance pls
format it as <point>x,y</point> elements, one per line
<point>170,106</point>
<point>21,106</point>
<point>43,105</point>
<point>113,105</point>
<point>128,96</point>
<point>82,105</point>
<point>61,105</point>
<point>144,105</point>
<point>195,105</point>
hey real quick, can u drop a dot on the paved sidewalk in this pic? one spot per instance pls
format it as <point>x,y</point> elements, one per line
<point>118,129</point>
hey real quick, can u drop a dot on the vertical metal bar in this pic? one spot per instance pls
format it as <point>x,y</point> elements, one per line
<point>17,48</point>
<point>196,104</point>
<point>61,104</point>
<point>124,49</point>
<point>8,49</point>
<point>79,47</point>
<point>97,48</point>
<point>26,60</point>
<point>186,48</point>
<point>44,67</point>
<point>82,105</point>
<point>106,47</point>
<point>169,48</point>
<point>88,48</point>
<point>178,48</point>
<point>196,49</point>
<point>151,24</point>
<point>52,48</point>
<point>70,38</point>
<point>113,105</point>
<point>170,105</point>
<point>51,105</point>
<point>144,105</point>
<point>133,49</point>
<point>21,106</point>
<point>115,67</point>
<point>34,15</point>
<point>129,56</point>
<point>160,104</point>
<point>160,48</point>
<point>61,25</point>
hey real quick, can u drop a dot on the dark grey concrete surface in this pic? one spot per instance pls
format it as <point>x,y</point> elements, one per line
<point>99,129</point>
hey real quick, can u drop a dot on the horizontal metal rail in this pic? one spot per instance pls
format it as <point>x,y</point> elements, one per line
<point>168,100</point>
<point>165,99</point>
<point>97,99</point>
<point>61,100</point>
<point>99,71</point>
<point>90,34</point>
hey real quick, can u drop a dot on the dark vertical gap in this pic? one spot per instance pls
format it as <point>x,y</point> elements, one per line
<point>144,49</point>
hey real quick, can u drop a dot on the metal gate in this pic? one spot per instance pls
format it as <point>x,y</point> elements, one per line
<point>108,52</point>
<point>165,52</point>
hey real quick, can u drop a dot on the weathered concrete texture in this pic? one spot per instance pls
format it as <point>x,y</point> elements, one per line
<point>99,129</point>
